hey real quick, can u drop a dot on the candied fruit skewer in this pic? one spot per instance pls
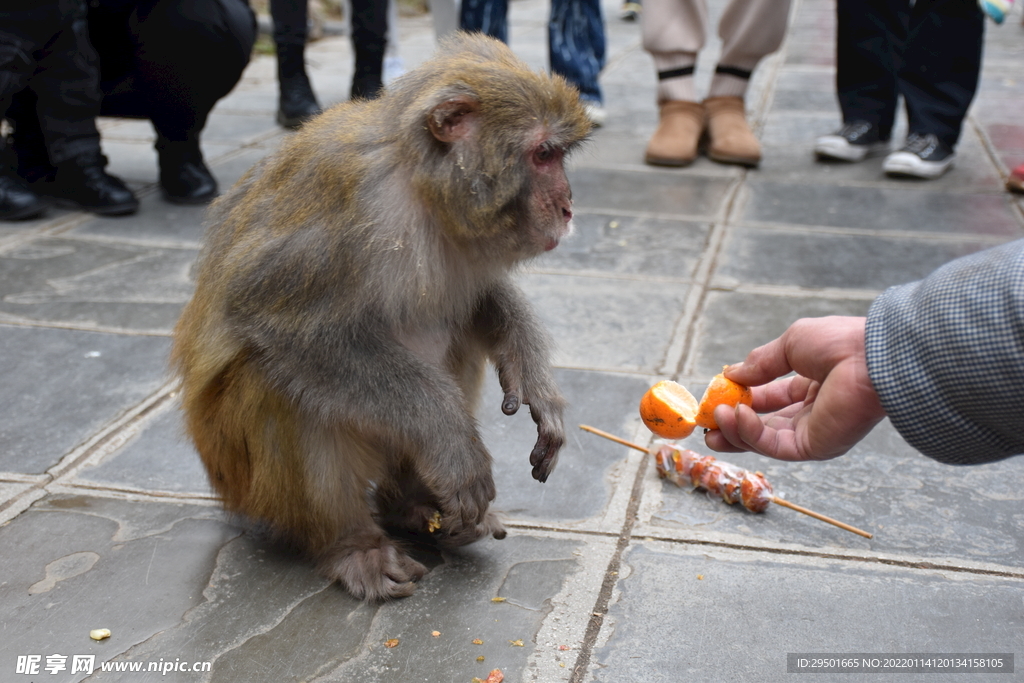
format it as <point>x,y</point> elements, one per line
<point>731,483</point>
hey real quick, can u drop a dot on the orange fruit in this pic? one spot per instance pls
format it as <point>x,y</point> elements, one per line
<point>721,391</point>
<point>668,410</point>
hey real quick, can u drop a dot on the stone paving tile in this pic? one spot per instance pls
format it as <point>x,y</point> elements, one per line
<point>155,457</point>
<point>815,260</point>
<point>628,245</point>
<point>912,207</point>
<point>95,284</point>
<point>598,189</point>
<point>79,380</point>
<point>733,323</point>
<point>585,313</point>
<point>710,614</point>
<point>163,578</point>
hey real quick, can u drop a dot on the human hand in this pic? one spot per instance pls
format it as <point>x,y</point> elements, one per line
<point>818,414</point>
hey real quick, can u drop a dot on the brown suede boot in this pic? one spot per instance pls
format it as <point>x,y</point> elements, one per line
<point>730,138</point>
<point>680,125</point>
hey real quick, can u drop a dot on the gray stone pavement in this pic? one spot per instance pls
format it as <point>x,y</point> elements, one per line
<point>608,573</point>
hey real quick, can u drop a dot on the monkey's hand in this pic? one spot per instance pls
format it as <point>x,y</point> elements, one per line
<point>550,438</point>
<point>546,408</point>
<point>465,493</point>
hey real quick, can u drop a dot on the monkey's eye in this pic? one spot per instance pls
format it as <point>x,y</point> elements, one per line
<point>545,153</point>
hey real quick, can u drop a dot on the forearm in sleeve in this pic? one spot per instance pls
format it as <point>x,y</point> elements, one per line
<point>946,355</point>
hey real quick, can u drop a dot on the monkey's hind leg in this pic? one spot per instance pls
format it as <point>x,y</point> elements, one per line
<point>361,557</point>
<point>371,566</point>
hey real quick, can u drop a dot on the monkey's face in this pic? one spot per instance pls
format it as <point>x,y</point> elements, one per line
<point>549,205</point>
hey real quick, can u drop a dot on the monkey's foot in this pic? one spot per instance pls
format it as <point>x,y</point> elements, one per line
<point>490,526</point>
<point>371,567</point>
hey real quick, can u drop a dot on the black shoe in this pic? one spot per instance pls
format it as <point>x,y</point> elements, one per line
<point>17,201</point>
<point>297,103</point>
<point>83,184</point>
<point>184,177</point>
<point>924,156</point>
<point>855,141</point>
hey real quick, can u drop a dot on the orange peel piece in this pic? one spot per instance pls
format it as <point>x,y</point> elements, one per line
<point>721,391</point>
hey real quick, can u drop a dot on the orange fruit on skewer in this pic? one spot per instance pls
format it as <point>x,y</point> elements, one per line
<point>670,410</point>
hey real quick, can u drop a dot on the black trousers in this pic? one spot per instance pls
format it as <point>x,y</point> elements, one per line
<point>44,46</point>
<point>369,37</point>
<point>929,52</point>
<point>165,60</point>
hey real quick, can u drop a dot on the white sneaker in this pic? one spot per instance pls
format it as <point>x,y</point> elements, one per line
<point>855,141</point>
<point>923,156</point>
<point>595,112</point>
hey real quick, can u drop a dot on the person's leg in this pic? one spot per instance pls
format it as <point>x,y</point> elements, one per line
<point>750,30</point>
<point>674,32</point>
<point>938,79</point>
<point>296,101</point>
<point>942,66</point>
<point>489,17</point>
<point>175,88</point>
<point>17,64</point>
<point>54,119</point>
<point>870,38</point>
<point>576,49</point>
<point>369,41</point>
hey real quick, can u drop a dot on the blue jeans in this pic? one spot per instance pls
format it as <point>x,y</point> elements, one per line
<point>576,43</point>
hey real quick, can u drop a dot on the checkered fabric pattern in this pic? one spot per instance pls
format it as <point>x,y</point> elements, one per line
<point>946,355</point>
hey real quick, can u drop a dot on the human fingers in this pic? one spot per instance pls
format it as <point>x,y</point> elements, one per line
<point>810,346</point>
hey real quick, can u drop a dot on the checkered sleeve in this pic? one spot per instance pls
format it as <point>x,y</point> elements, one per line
<point>946,355</point>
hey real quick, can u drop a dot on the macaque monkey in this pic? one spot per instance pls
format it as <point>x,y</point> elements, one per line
<point>352,287</point>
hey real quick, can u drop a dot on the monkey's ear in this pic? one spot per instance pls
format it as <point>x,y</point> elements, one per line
<point>453,119</point>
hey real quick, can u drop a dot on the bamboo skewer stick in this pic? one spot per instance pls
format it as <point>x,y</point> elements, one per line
<point>811,513</point>
<point>612,437</point>
<point>775,499</point>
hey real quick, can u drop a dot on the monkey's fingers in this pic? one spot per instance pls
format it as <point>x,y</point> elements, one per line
<point>544,456</point>
<point>510,404</point>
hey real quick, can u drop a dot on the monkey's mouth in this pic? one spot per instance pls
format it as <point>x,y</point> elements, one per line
<point>567,229</point>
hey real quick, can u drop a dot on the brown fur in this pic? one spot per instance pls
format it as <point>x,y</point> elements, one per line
<point>350,291</point>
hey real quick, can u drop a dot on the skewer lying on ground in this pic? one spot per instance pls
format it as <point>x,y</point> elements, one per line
<point>731,483</point>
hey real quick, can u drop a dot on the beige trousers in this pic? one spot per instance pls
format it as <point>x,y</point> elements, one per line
<point>674,31</point>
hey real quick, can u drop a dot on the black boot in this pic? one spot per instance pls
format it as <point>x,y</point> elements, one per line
<point>367,79</point>
<point>184,177</point>
<point>82,183</point>
<point>297,103</point>
<point>17,201</point>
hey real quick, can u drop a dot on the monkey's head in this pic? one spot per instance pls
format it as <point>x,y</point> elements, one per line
<point>488,138</point>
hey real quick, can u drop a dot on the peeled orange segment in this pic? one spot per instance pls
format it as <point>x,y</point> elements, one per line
<point>721,391</point>
<point>668,410</point>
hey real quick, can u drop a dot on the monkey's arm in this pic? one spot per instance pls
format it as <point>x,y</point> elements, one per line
<point>519,348</point>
